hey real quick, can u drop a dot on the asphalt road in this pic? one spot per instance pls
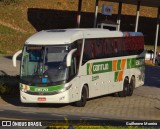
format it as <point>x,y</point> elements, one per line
<point>6,66</point>
<point>143,105</point>
<point>29,115</point>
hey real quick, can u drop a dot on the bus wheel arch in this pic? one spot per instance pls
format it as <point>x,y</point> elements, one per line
<point>87,88</point>
<point>84,96</point>
<point>124,92</point>
<point>131,85</point>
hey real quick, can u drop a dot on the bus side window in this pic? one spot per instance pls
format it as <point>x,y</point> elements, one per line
<point>98,48</point>
<point>88,53</point>
<point>106,48</point>
<point>115,48</point>
<point>76,57</point>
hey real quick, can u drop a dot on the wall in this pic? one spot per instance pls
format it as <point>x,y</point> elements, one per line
<point>42,19</point>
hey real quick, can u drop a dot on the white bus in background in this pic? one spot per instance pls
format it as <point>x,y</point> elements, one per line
<point>73,65</point>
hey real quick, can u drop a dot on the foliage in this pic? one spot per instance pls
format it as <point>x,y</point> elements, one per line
<point>82,124</point>
<point>9,85</point>
<point>7,2</point>
<point>15,26</point>
<point>2,88</point>
<point>93,127</point>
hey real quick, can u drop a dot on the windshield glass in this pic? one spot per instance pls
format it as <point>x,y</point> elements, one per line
<point>44,64</point>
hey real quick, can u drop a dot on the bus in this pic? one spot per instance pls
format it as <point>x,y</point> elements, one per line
<point>73,65</point>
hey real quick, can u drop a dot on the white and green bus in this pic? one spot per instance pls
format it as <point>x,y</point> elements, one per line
<point>73,65</point>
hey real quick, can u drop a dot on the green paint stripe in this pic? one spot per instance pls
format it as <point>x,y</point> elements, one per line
<point>95,78</point>
<point>119,64</point>
<point>133,63</point>
<point>88,68</point>
<point>106,66</point>
<point>116,76</point>
<point>128,63</point>
<point>100,67</point>
<point>50,88</point>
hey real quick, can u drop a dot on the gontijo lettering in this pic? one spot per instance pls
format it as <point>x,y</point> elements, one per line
<point>100,67</point>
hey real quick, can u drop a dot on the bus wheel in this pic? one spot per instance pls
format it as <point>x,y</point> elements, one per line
<point>124,93</point>
<point>131,86</point>
<point>83,100</point>
<point>156,62</point>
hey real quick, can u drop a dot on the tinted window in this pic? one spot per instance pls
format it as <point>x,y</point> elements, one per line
<point>112,47</point>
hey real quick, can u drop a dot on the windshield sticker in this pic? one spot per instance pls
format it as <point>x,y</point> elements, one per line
<point>44,80</point>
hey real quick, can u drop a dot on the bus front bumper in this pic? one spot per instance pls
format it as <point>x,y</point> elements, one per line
<point>57,98</point>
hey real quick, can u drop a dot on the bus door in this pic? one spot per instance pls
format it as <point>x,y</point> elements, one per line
<point>74,79</point>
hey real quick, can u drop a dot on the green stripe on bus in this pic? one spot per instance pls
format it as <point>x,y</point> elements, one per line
<point>116,76</point>
<point>106,66</point>
<point>99,67</point>
<point>119,65</point>
<point>134,62</point>
<point>45,89</point>
<point>128,63</point>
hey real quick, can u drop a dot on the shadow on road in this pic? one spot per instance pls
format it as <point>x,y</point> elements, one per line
<point>152,76</point>
<point>16,102</point>
<point>10,57</point>
<point>2,73</point>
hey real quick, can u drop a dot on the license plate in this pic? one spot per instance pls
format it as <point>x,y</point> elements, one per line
<point>41,99</point>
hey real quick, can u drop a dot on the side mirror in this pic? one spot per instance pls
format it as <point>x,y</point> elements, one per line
<point>14,58</point>
<point>69,57</point>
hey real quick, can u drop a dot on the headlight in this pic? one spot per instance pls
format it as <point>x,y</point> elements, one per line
<point>25,88</point>
<point>66,87</point>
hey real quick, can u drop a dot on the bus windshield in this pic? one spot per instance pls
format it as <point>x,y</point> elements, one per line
<point>44,64</point>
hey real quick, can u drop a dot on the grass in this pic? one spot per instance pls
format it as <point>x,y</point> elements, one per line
<point>94,127</point>
<point>151,47</point>
<point>15,27</point>
<point>82,124</point>
<point>11,40</point>
<point>16,14</point>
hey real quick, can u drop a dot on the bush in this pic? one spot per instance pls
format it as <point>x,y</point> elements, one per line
<point>9,85</point>
<point>7,2</point>
<point>2,89</point>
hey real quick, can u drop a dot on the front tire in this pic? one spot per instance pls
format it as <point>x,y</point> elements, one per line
<point>83,100</point>
<point>131,86</point>
<point>124,93</point>
<point>156,62</point>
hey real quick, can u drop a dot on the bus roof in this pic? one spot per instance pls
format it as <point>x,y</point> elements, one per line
<point>67,36</point>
